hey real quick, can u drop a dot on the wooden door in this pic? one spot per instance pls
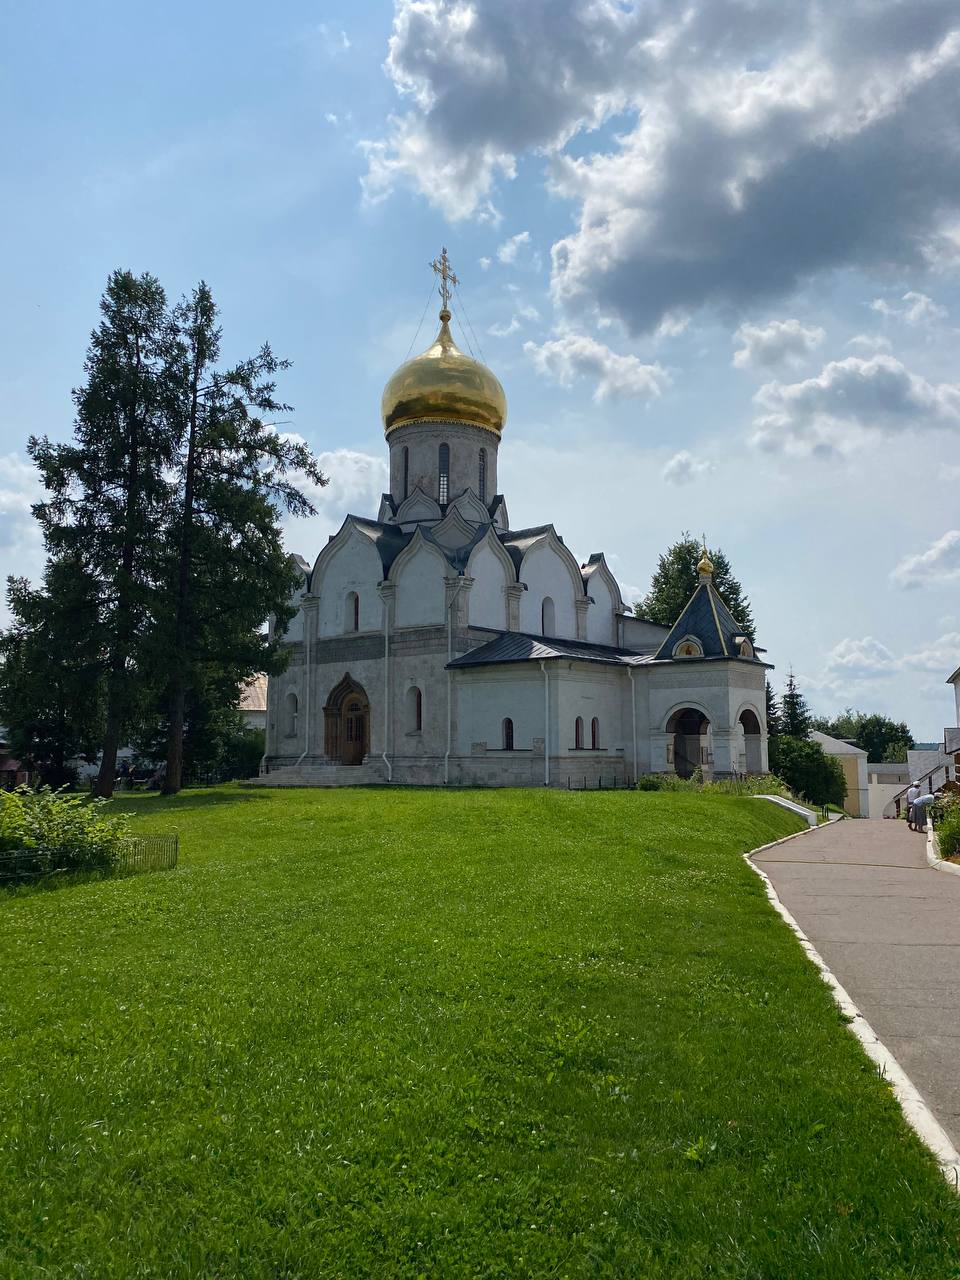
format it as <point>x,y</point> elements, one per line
<point>354,736</point>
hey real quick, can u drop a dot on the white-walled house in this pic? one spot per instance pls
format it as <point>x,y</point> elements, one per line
<point>435,644</point>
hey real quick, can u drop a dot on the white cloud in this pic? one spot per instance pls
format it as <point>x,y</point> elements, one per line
<point>938,565</point>
<point>683,468</point>
<point>356,483</point>
<point>941,656</point>
<point>505,330</point>
<point>860,659</point>
<point>824,414</point>
<point>918,310</point>
<point>869,342</point>
<point>332,118</point>
<point>738,124</point>
<point>333,39</point>
<point>485,264</point>
<point>507,252</point>
<point>21,542</point>
<point>522,314</point>
<point>776,343</point>
<point>578,356</point>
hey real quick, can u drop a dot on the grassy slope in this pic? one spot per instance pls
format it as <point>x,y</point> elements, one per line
<point>415,1033</point>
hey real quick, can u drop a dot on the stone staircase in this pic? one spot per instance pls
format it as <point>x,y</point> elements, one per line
<point>321,773</point>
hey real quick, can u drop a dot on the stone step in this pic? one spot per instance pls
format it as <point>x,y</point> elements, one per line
<point>371,773</point>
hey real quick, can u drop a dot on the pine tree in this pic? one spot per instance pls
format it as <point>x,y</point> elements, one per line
<point>676,579</point>
<point>794,713</point>
<point>51,668</point>
<point>773,712</point>
<point>235,474</point>
<point>107,491</point>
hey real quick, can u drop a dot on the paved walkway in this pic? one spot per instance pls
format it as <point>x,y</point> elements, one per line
<point>888,925</point>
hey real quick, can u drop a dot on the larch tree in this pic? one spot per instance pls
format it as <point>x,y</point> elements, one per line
<point>794,713</point>
<point>51,668</point>
<point>675,580</point>
<point>235,475</point>
<point>107,492</point>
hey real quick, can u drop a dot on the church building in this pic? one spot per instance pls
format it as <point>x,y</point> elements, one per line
<point>437,645</point>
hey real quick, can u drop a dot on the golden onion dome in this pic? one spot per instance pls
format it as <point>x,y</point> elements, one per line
<point>706,564</point>
<point>444,384</point>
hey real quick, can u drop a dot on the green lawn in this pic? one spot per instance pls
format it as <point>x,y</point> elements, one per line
<point>371,1033</point>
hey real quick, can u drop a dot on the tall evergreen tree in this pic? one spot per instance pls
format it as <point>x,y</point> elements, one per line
<point>794,713</point>
<point>107,490</point>
<point>773,712</point>
<point>675,580</point>
<point>51,668</point>
<point>235,475</point>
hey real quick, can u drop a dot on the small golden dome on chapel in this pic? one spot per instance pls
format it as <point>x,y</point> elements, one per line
<point>706,564</point>
<point>442,383</point>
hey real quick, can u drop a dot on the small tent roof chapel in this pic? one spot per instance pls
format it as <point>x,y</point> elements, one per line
<point>437,645</point>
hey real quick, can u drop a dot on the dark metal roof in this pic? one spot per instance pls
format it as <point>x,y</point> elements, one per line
<point>706,617</point>
<point>517,646</point>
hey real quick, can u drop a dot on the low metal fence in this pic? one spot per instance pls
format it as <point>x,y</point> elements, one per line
<point>139,854</point>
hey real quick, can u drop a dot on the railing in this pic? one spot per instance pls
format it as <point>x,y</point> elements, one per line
<point>926,784</point>
<point>139,854</point>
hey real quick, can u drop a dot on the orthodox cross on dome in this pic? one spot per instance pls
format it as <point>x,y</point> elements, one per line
<point>443,269</point>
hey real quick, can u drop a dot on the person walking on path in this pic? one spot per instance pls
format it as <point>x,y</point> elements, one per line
<point>912,793</point>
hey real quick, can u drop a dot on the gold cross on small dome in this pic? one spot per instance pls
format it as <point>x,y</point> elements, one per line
<point>443,269</point>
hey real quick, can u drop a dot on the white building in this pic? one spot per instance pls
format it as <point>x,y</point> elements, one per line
<point>435,644</point>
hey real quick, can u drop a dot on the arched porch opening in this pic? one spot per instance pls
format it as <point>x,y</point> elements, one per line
<point>689,728</point>
<point>346,723</point>
<point>752,755</point>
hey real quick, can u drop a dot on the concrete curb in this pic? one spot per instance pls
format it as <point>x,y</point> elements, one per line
<point>915,1110</point>
<point>933,853</point>
<point>808,815</point>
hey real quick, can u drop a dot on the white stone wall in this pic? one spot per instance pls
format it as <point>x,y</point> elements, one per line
<point>601,616</point>
<point>419,573</point>
<point>488,595</point>
<point>350,563</point>
<point>545,572</point>
<point>423,439</point>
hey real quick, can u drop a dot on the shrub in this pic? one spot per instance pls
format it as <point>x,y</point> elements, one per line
<point>948,832</point>
<point>650,782</point>
<point>62,832</point>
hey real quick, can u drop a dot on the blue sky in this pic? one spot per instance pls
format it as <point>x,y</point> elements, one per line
<point>711,252</point>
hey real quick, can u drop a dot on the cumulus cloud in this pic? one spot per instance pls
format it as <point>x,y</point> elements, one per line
<point>739,125</point>
<point>938,565</point>
<point>779,342</point>
<point>918,309</point>
<point>860,659</point>
<point>941,656</point>
<point>579,356</point>
<point>507,252</point>
<point>21,542</point>
<point>869,342</point>
<point>821,414</point>
<point>683,468</point>
<point>485,263</point>
<point>356,483</point>
<point>522,314</point>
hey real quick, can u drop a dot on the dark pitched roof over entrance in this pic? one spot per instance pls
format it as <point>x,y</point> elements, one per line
<point>708,619</point>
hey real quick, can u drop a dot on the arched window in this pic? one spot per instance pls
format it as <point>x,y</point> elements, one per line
<point>290,714</point>
<point>508,734</point>
<point>351,612</point>
<point>482,481</point>
<point>406,472</point>
<point>414,710</point>
<point>548,617</point>
<point>443,487</point>
<point>689,647</point>
<point>595,734</point>
<point>578,734</point>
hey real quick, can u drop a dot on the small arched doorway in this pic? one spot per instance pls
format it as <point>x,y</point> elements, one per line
<point>346,723</point>
<point>689,729</point>
<point>752,756</point>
